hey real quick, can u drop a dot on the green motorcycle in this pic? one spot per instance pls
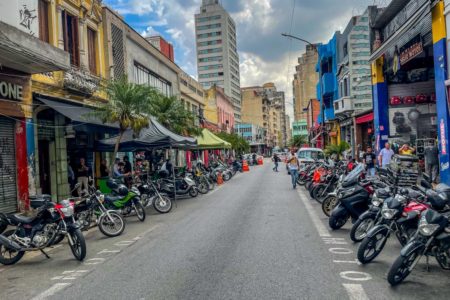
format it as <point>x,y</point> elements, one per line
<point>124,200</point>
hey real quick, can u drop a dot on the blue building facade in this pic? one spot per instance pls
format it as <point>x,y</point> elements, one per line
<point>327,87</point>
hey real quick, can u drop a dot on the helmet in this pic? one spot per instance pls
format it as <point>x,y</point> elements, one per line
<point>112,184</point>
<point>122,190</point>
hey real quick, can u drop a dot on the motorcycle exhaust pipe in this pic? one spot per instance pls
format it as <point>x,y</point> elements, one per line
<point>9,243</point>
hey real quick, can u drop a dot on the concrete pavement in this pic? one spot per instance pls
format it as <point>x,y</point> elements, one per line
<point>253,238</point>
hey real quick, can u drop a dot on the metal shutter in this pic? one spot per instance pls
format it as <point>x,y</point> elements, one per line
<point>8,186</point>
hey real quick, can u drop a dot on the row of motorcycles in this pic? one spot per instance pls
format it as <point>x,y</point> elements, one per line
<point>50,223</point>
<point>417,216</point>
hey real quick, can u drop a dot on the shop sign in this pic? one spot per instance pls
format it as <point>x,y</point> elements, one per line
<point>411,49</point>
<point>11,91</point>
<point>443,141</point>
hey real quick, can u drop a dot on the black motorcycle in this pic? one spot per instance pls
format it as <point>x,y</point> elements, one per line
<point>35,233</point>
<point>151,196</point>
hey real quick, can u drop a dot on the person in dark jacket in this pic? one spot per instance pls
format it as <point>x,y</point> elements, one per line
<point>276,160</point>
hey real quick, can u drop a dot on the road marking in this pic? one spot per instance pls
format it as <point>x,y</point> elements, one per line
<point>355,276</point>
<point>355,291</point>
<point>51,291</point>
<point>321,229</point>
<point>347,262</point>
<point>2,269</point>
<point>335,241</point>
<point>340,251</point>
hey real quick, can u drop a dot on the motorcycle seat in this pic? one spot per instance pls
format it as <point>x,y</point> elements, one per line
<point>21,218</point>
<point>110,198</point>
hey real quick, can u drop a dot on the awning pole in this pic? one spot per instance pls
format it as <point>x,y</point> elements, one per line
<point>174,181</point>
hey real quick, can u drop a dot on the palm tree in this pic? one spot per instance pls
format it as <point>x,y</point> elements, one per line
<point>298,141</point>
<point>238,143</point>
<point>337,149</point>
<point>170,112</point>
<point>128,106</point>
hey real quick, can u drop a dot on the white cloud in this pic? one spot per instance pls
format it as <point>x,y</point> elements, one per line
<point>149,31</point>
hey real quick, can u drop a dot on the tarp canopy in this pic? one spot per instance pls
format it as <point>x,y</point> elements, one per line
<point>209,140</point>
<point>154,136</point>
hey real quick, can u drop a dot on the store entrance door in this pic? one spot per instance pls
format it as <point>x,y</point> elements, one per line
<point>44,166</point>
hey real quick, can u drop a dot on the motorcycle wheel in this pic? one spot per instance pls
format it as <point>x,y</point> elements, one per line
<point>318,191</point>
<point>145,200</point>
<point>162,204</point>
<point>371,247</point>
<point>328,205</point>
<point>336,223</point>
<point>9,256</point>
<point>193,192</point>
<point>79,244</point>
<point>113,226</point>
<point>308,185</point>
<point>140,210</point>
<point>226,176</point>
<point>400,268</point>
<point>3,226</point>
<point>211,185</point>
<point>311,191</point>
<point>202,188</point>
<point>361,228</point>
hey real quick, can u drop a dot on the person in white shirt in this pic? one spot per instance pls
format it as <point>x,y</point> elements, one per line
<point>385,156</point>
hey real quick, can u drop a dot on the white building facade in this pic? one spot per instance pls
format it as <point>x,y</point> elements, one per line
<point>217,57</point>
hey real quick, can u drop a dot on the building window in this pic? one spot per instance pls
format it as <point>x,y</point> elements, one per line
<point>70,35</point>
<point>206,19</point>
<point>43,21</point>
<point>91,37</point>
<point>143,75</point>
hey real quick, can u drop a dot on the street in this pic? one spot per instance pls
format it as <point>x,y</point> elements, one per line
<point>252,238</point>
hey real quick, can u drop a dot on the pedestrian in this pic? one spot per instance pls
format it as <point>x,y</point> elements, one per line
<point>406,149</point>
<point>82,175</point>
<point>127,171</point>
<point>104,170</point>
<point>294,166</point>
<point>369,161</point>
<point>385,156</point>
<point>432,162</point>
<point>276,160</point>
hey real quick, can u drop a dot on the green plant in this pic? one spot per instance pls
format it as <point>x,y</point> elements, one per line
<point>298,141</point>
<point>238,143</point>
<point>337,149</point>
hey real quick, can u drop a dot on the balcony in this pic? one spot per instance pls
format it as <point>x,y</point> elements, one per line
<point>343,105</point>
<point>328,84</point>
<point>81,82</point>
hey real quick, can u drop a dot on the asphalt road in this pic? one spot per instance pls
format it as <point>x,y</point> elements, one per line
<point>253,238</point>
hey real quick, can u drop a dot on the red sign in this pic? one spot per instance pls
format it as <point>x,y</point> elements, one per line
<point>411,50</point>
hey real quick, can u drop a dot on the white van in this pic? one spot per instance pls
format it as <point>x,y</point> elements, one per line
<point>309,155</point>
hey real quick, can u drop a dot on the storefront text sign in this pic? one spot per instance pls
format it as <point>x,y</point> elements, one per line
<point>411,49</point>
<point>11,91</point>
<point>443,141</point>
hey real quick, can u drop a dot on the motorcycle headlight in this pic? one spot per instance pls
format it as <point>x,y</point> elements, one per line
<point>67,211</point>
<point>427,229</point>
<point>388,213</point>
<point>101,198</point>
<point>376,201</point>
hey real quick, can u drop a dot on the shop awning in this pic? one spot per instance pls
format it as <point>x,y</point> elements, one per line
<point>365,118</point>
<point>209,140</point>
<point>394,38</point>
<point>154,136</point>
<point>76,113</point>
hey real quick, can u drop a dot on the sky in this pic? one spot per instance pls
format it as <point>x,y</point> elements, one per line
<point>265,56</point>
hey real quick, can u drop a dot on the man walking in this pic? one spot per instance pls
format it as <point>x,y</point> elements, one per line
<point>276,160</point>
<point>82,176</point>
<point>369,160</point>
<point>294,166</point>
<point>385,156</point>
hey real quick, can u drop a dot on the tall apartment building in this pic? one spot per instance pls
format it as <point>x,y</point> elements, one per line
<point>264,106</point>
<point>217,57</point>
<point>305,81</point>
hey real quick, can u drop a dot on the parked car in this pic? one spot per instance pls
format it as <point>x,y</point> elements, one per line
<point>309,155</point>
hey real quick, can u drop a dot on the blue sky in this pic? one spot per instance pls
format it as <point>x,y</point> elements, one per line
<point>265,56</point>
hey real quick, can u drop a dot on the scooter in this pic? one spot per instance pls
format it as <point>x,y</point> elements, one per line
<point>184,186</point>
<point>124,200</point>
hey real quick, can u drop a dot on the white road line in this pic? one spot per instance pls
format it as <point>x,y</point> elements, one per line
<point>355,291</point>
<point>321,229</point>
<point>51,291</point>
<point>2,269</point>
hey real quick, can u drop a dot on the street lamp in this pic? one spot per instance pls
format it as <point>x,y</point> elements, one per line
<point>320,73</point>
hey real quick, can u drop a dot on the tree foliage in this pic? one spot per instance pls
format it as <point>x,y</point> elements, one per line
<point>337,149</point>
<point>298,141</point>
<point>128,106</point>
<point>238,143</point>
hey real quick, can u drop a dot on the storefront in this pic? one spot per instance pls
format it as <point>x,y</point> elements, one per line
<point>347,133</point>
<point>407,69</point>
<point>364,133</point>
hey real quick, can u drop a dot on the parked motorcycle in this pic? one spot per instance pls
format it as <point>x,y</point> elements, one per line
<point>184,186</point>
<point>35,233</point>
<point>150,196</point>
<point>91,207</point>
<point>124,200</point>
